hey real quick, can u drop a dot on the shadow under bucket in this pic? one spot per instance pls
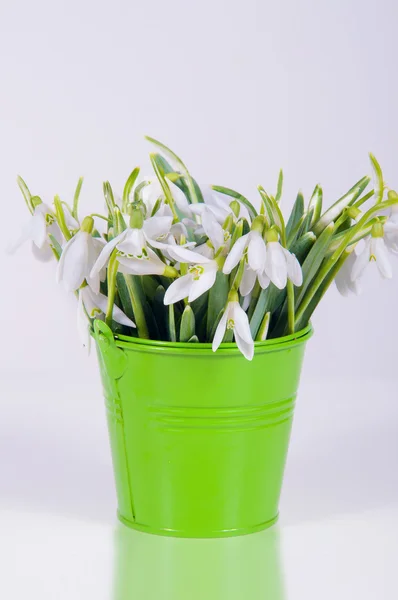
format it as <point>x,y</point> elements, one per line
<point>199,439</point>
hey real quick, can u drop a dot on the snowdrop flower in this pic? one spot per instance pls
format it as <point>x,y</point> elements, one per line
<point>197,281</point>
<point>133,246</point>
<point>375,250</point>
<point>281,265</point>
<point>94,306</point>
<point>343,280</point>
<point>254,244</point>
<point>41,224</point>
<point>218,236</point>
<point>236,319</point>
<point>78,258</point>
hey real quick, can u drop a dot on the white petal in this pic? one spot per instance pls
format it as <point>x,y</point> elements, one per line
<point>184,255</point>
<point>220,331</point>
<point>155,227</point>
<point>247,348</point>
<point>205,250</point>
<point>263,280</point>
<point>382,259</point>
<point>246,302</point>
<point>235,253</point>
<point>201,285</point>
<point>361,261</point>
<point>133,243</point>
<point>103,258</point>
<point>39,229</point>
<point>43,254</point>
<point>213,229</point>
<point>256,251</point>
<point>241,320</point>
<point>248,281</point>
<point>119,316</point>
<point>152,265</point>
<point>294,271</point>
<point>73,265</point>
<point>180,199</point>
<point>179,289</point>
<point>275,265</point>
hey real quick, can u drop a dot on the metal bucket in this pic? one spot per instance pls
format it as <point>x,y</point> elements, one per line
<point>199,439</point>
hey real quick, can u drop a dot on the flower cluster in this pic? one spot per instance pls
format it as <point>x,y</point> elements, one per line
<point>185,263</point>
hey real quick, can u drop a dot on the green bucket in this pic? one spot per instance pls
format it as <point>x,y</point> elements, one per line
<point>199,439</point>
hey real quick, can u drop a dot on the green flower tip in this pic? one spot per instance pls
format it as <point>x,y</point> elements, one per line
<point>235,207</point>
<point>87,225</point>
<point>233,296</point>
<point>258,223</point>
<point>392,195</point>
<point>377,230</point>
<point>36,201</point>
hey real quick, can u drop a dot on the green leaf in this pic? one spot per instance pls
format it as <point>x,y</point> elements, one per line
<point>129,186</point>
<point>259,312</point>
<point>167,169</point>
<point>304,320</point>
<point>337,208</point>
<point>305,225</point>
<point>315,204</point>
<point>187,325</point>
<point>379,178</point>
<point>194,339</point>
<point>57,249</point>
<point>263,331</point>
<point>295,216</point>
<point>171,325</point>
<point>279,188</point>
<point>109,198</point>
<point>339,237</point>
<point>125,299</point>
<point>181,166</point>
<point>132,285</point>
<point>302,246</point>
<point>150,286</point>
<point>25,192</point>
<point>314,260</point>
<point>160,312</point>
<point>218,296</point>
<point>236,196</point>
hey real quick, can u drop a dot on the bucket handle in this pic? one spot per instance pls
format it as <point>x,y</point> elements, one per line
<point>116,359</point>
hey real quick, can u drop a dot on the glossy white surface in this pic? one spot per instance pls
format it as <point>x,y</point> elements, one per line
<point>337,537</point>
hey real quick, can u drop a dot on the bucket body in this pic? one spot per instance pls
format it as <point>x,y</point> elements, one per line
<point>198,439</point>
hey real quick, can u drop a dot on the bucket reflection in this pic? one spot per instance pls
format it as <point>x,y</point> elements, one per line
<point>150,567</point>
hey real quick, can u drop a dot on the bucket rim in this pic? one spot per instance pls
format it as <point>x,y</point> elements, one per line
<point>203,348</point>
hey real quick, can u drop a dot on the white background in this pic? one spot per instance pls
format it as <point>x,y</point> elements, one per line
<point>238,90</point>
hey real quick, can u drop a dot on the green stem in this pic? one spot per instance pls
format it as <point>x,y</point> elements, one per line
<point>364,199</point>
<point>112,272</point>
<point>26,193</point>
<point>100,217</point>
<point>290,306</point>
<point>329,264</point>
<point>138,310</point>
<point>290,286</point>
<point>76,197</point>
<point>60,215</point>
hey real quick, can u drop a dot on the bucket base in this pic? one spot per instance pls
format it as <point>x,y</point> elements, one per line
<point>211,534</point>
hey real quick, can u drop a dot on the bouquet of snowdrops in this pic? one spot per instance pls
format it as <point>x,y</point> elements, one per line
<point>173,261</point>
